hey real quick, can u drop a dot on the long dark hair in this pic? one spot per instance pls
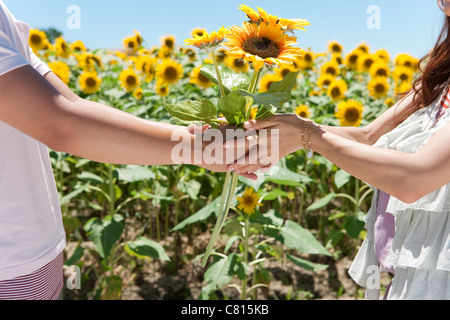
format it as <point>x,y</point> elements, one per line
<point>428,86</point>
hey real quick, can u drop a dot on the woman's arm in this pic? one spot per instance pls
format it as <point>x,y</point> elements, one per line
<point>55,116</point>
<point>407,177</point>
<point>380,126</point>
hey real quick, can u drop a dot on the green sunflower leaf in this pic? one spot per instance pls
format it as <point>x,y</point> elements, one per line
<point>232,106</point>
<point>230,79</point>
<point>204,111</point>
<point>279,94</point>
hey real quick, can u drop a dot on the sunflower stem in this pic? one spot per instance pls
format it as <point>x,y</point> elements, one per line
<point>252,89</point>
<point>219,76</point>
<point>245,258</point>
<point>217,227</point>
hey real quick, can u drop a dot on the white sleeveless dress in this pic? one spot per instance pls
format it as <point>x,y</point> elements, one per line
<point>420,252</point>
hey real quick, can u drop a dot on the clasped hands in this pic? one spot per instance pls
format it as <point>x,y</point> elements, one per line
<point>259,146</point>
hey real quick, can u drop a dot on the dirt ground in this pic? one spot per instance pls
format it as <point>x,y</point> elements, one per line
<point>156,280</point>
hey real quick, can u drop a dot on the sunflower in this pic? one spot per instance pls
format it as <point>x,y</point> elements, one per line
<point>138,37</point>
<point>330,67</point>
<point>221,55</point>
<point>402,88</point>
<point>89,82</point>
<point>61,69</point>
<point>168,41</point>
<point>337,89</point>
<point>260,16</point>
<point>149,70</point>
<point>208,40</point>
<point>325,80</point>
<point>405,60</point>
<point>304,61</point>
<point>237,64</point>
<point>285,69</point>
<point>162,91</point>
<point>337,58</point>
<point>78,46</point>
<point>249,201</point>
<point>379,69</point>
<point>335,47</point>
<point>383,55</point>
<point>169,72</point>
<point>199,79</point>
<point>351,60</point>
<point>62,49</point>
<point>251,14</point>
<point>365,61</point>
<point>88,61</point>
<point>190,53</point>
<point>350,113</point>
<point>260,44</point>
<point>267,80</point>
<point>165,53</point>
<point>364,48</point>
<point>198,32</point>
<point>129,80</point>
<point>303,111</point>
<point>389,102</point>
<point>131,44</point>
<point>142,63</point>
<point>402,74</point>
<point>138,93</point>
<point>37,40</point>
<point>378,87</point>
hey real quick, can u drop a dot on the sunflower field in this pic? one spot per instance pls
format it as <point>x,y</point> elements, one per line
<point>127,226</point>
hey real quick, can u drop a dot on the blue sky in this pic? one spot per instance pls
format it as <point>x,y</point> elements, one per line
<point>409,26</point>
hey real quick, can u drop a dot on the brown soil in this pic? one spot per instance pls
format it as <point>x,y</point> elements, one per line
<point>157,280</point>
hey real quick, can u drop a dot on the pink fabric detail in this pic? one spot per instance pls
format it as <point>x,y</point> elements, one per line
<point>384,231</point>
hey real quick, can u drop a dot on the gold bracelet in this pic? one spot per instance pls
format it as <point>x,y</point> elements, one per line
<point>308,129</point>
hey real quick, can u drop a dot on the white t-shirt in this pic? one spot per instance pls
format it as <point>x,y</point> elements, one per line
<point>31,228</point>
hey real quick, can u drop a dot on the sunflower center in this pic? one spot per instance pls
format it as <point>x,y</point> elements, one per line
<point>239,63</point>
<point>353,58</point>
<point>335,92</point>
<point>202,78</point>
<point>248,201</point>
<point>35,39</point>
<point>379,88</point>
<point>351,114</point>
<point>170,73</point>
<point>131,80</point>
<point>308,57</point>
<point>331,70</point>
<point>64,47</point>
<point>91,83</point>
<point>163,90</point>
<point>285,72</point>
<point>403,77</point>
<point>336,48</point>
<point>303,114</point>
<point>131,44</point>
<point>382,73</point>
<point>262,47</point>
<point>368,63</point>
<point>169,43</point>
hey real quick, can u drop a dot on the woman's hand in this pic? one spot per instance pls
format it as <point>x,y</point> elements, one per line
<point>278,136</point>
<point>208,138</point>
